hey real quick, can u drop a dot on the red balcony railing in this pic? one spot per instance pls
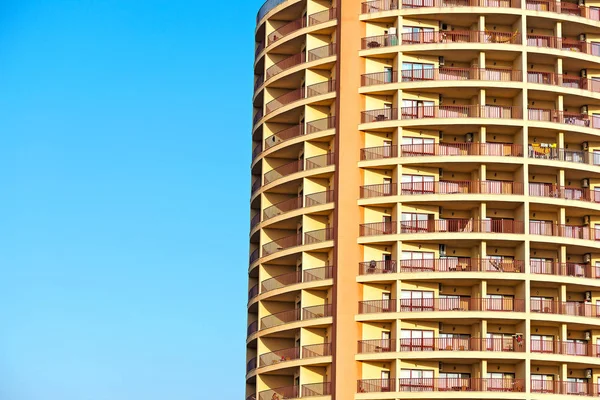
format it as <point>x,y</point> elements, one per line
<point>564,269</point>
<point>284,135</point>
<point>253,292</point>
<point>376,346</point>
<point>374,6</point>
<point>286,63</point>
<point>462,303</point>
<point>282,207</point>
<point>461,37</point>
<point>286,29</point>
<point>384,189</point>
<point>280,318</point>
<point>301,93</point>
<point>557,116</point>
<point>287,392</point>
<point>551,78</point>
<point>321,161</point>
<point>316,350</point>
<point>322,124</point>
<point>378,228</point>
<point>567,44</point>
<point>572,308</point>
<point>253,256</point>
<point>565,348</point>
<point>463,225</point>
<point>292,278</point>
<point>278,356</point>
<point>283,170</point>
<point>376,306</point>
<point>377,267</point>
<point>574,156</point>
<point>316,389</point>
<point>374,42</point>
<point>282,244</point>
<point>462,264</point>
<point>423,112</point>
<point>565,387</point>
<point>378,153</point>
<point>376,385</point>
<point>251,365</point>
<point>547,228</point>
<point>379,78</point>
<point>318,236</point>
<point>252,328</point>
<point>460,74</point>
<point>462,149</point>
<point>385,114</point>
<point>461,187</point>
<point>564,8</point>
<point>463,344</point>
<point>385,5</point>
<point>319,198</point>
<point>561,192</point>
<point>322,52</point>
<point>322,16</point>
<point>461,384</point>
<point>318,274</point>
<point>322,311</point>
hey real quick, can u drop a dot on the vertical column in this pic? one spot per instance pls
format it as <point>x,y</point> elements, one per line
<point>346,293</point>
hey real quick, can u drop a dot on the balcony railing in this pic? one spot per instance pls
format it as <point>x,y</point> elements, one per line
<point>312,237</point>
<point>282,207</point>
<point>565,387</point>
<point>461,187</point>
<point>278,356</point>
<point>320,161</point>
<point>460,264</point>
<point>322,311</point>
<point>461,37</point>
<point>319,125</point>
<point>564,8</point>
<point>561,117</point>
<point>422,112</point>
<point>564,269</point>
<point>322,16</point>
<point>257,150</point>
<point>376,346</point>
<point>385,189</point>
<point>565,348</point>
<point>443,149</point>
<point>568,81</point>
<point>560,192</point>
<point>547,228</point>
<point>252,328</point>
<point>319,198</point>
<point>283,170</point>
<point>378,153</point>
<point>376,385</point>
<point>462,303</point>
<point>301,93</point>
<point>295,392</point>
<point>378,228</point>
<point>253,292</point>
<point>571,308</point>
<point>291,27</point>
<point>253,256</point>
<point>251,365</point>
<point>255,185</point>
<point>374,6</point>
<point>259,114</point>
<point>374,42</point>
<point>316,389</point>
<point>298,130</point>
<point>300,58</point>
<point>260,46</point>
<point>463,344</point>
<point>376,306</point>
<point>566,44</point>
<point>316,350</point>
<point>461,384</point>
<point>298,314</point>
<point>255,220</point>
<point>461,74</point>
<point>292,278</point>
<point>321,52</point>
<point>549,153</point>
<point>463,225</point>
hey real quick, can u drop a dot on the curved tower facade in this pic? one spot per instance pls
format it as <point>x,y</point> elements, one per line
<point>425,202</point>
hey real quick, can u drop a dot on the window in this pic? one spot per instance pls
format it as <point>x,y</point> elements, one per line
<point>500,381</point>
<point>417,72</point>
<point>417,261</point>
<point>542,266</point>
<point>414,109</point>
<point>454,381</point>
<point>416,300</point>
<point>577,386</point>
<point>499,342</point>
<point>417,184</point>
<point>453,303</point>
<point>537,227</point>
<point>498,302</point>
<point>542,304</point>
<point>415,34</point>
<point>414,223</point>
<point>451,341</point>
<point>542,383</point>
<point>416,340</point>
<point>412,146</point>
<point>542,344</point>
<point>501,264</point>
<point>416,380</point>
<point>577,347</point>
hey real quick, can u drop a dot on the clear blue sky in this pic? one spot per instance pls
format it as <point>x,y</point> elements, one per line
<point>124,181</point>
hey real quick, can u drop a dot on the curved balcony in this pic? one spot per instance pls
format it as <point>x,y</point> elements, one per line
<point>460,264</point>
<point>253,292</point>
<point>309,351</point>
<point>425,112</point>
<point>577,270</point>
<point>376,385</point>
<point>461,303</point>
<point>251,365</point>
<point>571,308</point>
<point>295,392</point>
<point>562,117</point>
<point>293,26</point>
<point>258,116</point>
<point>295,315</point>
<point>317,236</point>
<point>546,228</point>
<point>254,256</point>
<point>565,348</point>
<point>565,44</point>
<point>378,228</point>
<point>257,150</point>
<point>266,8</point>
<point>463,225</point>
<point>556,154</point>
<point>282,207</point>
<point>315,126</point>
<point>442,149</point>
<point>551,190</point>
<point>300,58</point>
<point>283,170</point>
<point>385,189</point>
<point>441,385</point>
<point>561,80</point>
<point>369,7</point>
<point>513,344</point>
<point>301,93</point>
<point>255,220</point>
<point>252,328</point>
<point>292,278</point>
<point>461,187</point>
<point>564,8</point>
<point>376,346</point>
<point>565,387</point>
<point>442,74</point>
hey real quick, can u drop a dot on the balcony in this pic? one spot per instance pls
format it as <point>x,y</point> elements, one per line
<point>565,348</point>
<point>571,308</point>
<point>565,387</point>
<point>254,256</point>
<point>442,150</point>
<point>561,192</point>
<point>285,317</point>
<point>317,236</point>
<point>293,26</point>
<point>300,58</point>
<point>460,303</point>
<point>251,365</point>
<point>447,37</point>
<point>552,153</point>
<point>463,344</point>
<point>296,392</point>
<point>378,228</point>
<point>376,346</point>
<point>463,225</point>
<point>255,185</point>
<point>369,7</point>
<point>426,112</point>
<point>292,278</point>
<point>566,44</point>
<point>564,269</point>
<point>564,8</point>
<point>283,170</point>
<point>561,117</point>
<point>461,187</point>
<point>376,385</point>
<point>316,350</point>
<point>279,356</point>
<point>298,130</point>
<point>252,328</point>
<point>442,74</point>
<point>441,385</point>
<point>567,81</point>
<point>547,228</point>
<point>301,93</point>
<point>460,264</point>
<point>374,42</point>
<point>385,189</point>
<point>321,161</point>
<point>255,221</point>
<point>296,203</point>
<point>257,150</point>
<point>253,292</point>
<point>257,117</point>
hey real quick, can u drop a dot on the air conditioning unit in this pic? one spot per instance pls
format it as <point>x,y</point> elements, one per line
<point>582,37</point>
<point>392,30</point>
<point>588,373</point>
<point>587,258</point>
<point>441,172</point>
<point>588,335</point>
<point>585,146</point>
<point>441,135</point>
<point>441,99</point>
<point>446,27</point>
<point>585,183</point>
<point>442,61</point>
<point>588,297</point>
<point>469,137</point>
<point>584,109</point>
<point>441,366</point>
<point>442,250</point>
<point>583,73</point>
<point>586,219</point>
